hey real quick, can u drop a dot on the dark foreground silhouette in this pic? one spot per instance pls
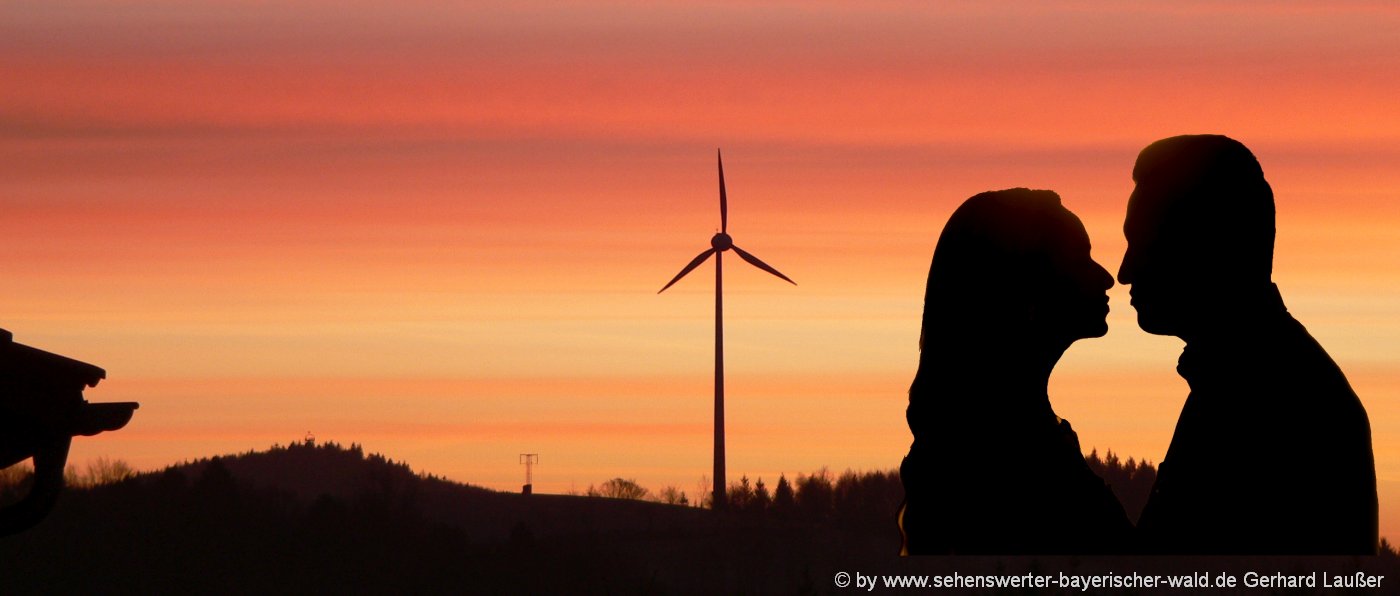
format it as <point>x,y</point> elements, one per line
<point>1011,286</point>
<point>41,410</point>
<point>318,518</point>
<point>1200,230</point>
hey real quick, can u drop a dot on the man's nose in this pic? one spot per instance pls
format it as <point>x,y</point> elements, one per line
<point>1125,270</point>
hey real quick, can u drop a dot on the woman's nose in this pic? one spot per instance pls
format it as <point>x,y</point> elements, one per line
<point>1105,278</point>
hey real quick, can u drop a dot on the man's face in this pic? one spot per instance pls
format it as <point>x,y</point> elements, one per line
<point>1160,266</point>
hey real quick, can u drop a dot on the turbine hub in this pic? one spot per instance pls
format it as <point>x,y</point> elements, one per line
<point>722,242</point>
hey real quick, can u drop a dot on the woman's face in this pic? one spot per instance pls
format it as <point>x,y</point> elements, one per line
<point>1073,301</point>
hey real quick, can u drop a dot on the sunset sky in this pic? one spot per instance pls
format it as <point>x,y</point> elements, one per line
<point>437,229</point>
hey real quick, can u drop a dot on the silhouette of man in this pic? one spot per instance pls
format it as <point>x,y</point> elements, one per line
<point>1272,453</point>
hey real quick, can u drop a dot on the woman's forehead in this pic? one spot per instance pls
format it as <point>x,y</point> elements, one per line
<point>1070,231</point>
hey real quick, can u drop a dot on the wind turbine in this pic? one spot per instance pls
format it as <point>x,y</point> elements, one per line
<point>718,244</point>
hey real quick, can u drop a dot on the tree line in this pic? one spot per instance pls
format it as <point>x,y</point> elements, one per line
<point>854,496</point>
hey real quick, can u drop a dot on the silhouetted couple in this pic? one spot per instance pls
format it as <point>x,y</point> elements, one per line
<point>1272,452</point>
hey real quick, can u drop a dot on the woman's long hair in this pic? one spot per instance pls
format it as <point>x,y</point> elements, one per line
<point>991,258</point>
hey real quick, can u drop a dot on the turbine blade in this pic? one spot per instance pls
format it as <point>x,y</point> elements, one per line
<point>723,199</point>
<point>760,264</point>
<point>693,264</point>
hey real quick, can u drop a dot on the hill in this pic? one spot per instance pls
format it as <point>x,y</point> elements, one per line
<point>322,518</point>
<point>327,474</point>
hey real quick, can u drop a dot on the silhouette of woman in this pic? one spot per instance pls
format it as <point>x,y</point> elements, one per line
<point>992,469</point>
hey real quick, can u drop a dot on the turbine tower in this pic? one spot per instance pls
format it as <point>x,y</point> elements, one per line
<point>720,243</point>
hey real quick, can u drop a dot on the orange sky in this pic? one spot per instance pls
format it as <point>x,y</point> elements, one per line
<point>438,230</point>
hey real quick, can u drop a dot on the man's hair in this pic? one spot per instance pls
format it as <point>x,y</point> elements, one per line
<point>1212,188</point>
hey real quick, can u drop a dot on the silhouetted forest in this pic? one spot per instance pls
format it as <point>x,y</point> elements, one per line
<point>321,518</point>
<point>1131,481</point>
<point>856,498</point>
